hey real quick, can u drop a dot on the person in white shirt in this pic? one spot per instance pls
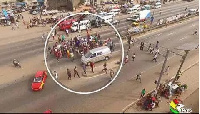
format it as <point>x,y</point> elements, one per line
<point>56,75</point>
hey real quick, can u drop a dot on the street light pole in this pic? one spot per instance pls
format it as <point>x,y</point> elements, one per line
<point>184,57</point>
<point>162,70</point>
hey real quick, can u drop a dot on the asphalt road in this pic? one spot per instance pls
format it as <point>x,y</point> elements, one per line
<point>18,97</point>
<point>29,48</point>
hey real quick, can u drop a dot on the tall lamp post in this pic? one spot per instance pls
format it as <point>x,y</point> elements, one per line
<point>183,57</point>
<point>186,47</point>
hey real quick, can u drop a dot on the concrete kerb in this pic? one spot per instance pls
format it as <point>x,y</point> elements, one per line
<point>133,103</point>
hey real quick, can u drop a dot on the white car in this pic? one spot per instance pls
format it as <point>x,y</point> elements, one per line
<point>111,13</point>
<point>102,13</point>
<point>192,11</point>
<point>157,5</point>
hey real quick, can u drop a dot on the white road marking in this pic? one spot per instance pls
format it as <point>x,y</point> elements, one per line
<point>170,33</point>
<point>159,34</point>
<point>183,38</point>
<point>193,25</point>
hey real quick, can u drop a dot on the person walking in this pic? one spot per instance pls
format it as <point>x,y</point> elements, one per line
<point>142,93</point>
<point>149,47</point>
<point>195,32</point>
<point>167,70</point>
<point>53,35</point>
<point>133,56</point>
<point>84,68</point>
<point>55,32</point>
<point>111,74</point>
<point>43,37</point>
<point>179,75</point>
<point>197,46</point>
<point>76,72</point>
<point>186,9</point>
<point>69,74</point>
<point>129,47</point>
<point>151,50</point>
<point>92,66</point>
<point>105,67</point>
<point>155,58</point>
<point>160,12</point>
<point>157,51</point>
<point>55,74</point>
<point>62,38</point>
<point>157,43</point>
<point>16,24</point>
<point>138,77</point>
<point>67,32</point>
<point>126,59</point>
<point>142,46</point>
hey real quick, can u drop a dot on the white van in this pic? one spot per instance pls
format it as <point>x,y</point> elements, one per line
<point>82,25</point>
<point>96,54</point>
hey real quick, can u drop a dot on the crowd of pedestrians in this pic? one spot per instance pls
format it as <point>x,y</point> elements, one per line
<point>79,45</point>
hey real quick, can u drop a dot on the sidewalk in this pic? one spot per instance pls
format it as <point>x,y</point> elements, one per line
<point>191,80</point>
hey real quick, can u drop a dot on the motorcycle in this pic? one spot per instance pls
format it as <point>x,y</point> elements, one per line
<point>16,63</point>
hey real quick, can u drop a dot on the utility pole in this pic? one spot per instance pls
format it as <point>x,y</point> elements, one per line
<point>163,67</point>
<point>184,57</point>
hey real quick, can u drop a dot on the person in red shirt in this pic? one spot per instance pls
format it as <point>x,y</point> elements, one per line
<point>177,101</point>
<point>92,66</point>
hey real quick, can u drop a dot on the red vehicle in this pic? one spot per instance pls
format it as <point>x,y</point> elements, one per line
<point>66,24</point>
<point>48,111</point>
<point>39,80</point>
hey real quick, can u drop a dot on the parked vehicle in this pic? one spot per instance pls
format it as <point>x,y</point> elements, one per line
<point>141,16</point>
<point>146,7</point>
<point>112,13</point>
<point>79,26</point>
<point>66,24</point>
<point>115,11</point>
<point>132,10</point>
<point>192,11</point>
<point>108,18</point>
<point>97,54</point>
<point>137,6</point>
<point>157,5</point>
<point>132,18</point>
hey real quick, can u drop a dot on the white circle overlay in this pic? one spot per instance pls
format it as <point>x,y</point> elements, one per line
<point>78,92</point>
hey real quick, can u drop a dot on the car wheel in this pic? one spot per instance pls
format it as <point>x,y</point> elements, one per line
<point>106,58</point>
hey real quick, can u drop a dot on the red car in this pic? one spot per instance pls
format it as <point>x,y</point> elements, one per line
<point>48,111</point>
<point>39,80</point>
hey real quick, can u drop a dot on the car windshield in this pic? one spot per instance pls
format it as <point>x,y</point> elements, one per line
<point>37,79</point>
<point>87,55</point>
